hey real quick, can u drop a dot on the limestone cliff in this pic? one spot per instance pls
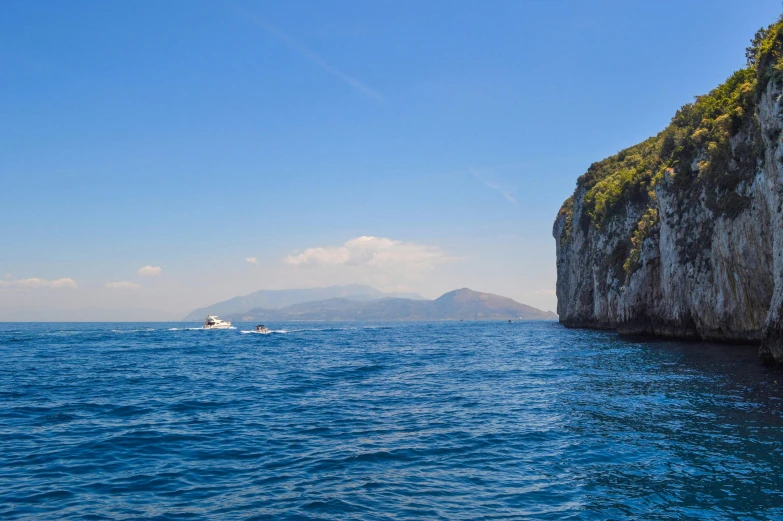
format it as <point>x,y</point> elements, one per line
<point>682,235</point>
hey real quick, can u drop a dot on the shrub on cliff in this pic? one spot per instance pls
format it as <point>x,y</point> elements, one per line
<point>696,152</point>
<point>699,134</point>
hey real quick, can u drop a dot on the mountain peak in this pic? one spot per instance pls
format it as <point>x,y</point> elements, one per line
<point>467,294</point>
<point>461,304</point>
<point>276,299</point>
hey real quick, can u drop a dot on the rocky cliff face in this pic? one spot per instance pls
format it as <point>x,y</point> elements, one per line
<point>682,235</point>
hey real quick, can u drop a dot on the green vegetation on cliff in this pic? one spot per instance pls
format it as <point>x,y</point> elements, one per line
<point>696,151</point>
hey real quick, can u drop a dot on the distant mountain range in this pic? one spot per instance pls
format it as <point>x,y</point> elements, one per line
<point>461,304</point>
<point>276,299</point>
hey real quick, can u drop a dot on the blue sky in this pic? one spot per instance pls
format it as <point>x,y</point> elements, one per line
<point>192,136</point>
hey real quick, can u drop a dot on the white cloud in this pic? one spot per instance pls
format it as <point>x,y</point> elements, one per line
<point>122,285</point>
<point>33,283</point>
<point>149,271</point>
<point>251,260</point>
<point>373,252</point>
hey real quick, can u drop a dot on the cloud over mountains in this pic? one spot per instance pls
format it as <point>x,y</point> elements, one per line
<point>34,282</point>
<point>122,285</point>
<point>149,271</point>
<point>366,250</point>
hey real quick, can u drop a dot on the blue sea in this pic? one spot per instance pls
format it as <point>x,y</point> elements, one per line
<point>464,421</point>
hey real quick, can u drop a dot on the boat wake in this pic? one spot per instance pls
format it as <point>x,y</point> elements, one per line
<point>199,328</point>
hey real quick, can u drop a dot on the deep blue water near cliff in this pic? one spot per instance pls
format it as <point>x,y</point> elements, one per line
<point>403,421</point>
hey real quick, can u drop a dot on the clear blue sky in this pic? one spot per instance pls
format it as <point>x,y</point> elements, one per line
<point>192,136</point>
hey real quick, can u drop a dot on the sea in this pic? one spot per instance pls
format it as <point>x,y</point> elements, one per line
<point>396,421</point>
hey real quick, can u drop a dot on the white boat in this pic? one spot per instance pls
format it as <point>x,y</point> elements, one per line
<point>213,322</point>
<point>261,329</point>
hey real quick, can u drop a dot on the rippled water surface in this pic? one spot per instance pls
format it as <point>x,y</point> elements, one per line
<point>409,421</point>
